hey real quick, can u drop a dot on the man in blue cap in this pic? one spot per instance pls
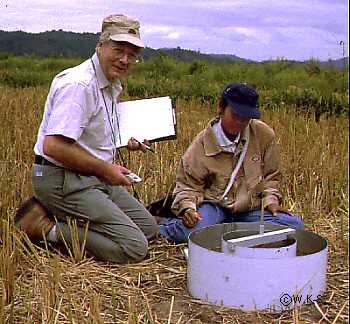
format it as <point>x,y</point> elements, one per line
<point>229,170</point>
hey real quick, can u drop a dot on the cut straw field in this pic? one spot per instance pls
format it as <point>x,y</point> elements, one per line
<point>38,285</point>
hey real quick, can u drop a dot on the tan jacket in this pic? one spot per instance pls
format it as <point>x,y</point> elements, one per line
<point>205,170</point>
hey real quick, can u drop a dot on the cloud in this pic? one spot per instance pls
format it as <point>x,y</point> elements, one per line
<point>165,32</point>
<point>255,29</point>
<point>151,29</point>
<point>247,33</point>
<point>173,36</point>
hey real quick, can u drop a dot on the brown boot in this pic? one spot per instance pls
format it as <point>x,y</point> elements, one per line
<point>33,219</point>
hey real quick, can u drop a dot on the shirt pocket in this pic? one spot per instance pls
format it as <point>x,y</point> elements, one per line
<point>99,131</point>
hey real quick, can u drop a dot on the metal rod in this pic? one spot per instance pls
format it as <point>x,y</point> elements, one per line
<point>261,225</point>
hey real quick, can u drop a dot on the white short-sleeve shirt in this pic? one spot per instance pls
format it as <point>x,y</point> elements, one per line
<point>79,106</point>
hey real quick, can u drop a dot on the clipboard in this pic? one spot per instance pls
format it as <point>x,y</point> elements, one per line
<point>153,119</point>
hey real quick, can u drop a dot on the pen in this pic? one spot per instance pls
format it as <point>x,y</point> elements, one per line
<point>149,148</point>
<point>146,146</point>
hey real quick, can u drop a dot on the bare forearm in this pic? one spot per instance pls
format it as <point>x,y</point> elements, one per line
<point>72,156</point>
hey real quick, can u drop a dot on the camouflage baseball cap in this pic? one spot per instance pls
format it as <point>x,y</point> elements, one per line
<point>122,28</point>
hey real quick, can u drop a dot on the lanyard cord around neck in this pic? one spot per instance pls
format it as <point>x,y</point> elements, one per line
<point>110,121</point>
<point>115,149</point>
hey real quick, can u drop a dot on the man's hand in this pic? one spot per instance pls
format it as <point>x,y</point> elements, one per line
<point>190,218</point>
<point>74,157</point>
<point>275,208</point>
<point>115,175</point>
<point>135,145</point>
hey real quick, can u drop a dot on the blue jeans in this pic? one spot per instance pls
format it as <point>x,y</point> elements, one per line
<point>175,231</point>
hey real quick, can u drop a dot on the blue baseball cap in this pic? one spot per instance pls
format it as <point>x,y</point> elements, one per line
<point>242,99</point>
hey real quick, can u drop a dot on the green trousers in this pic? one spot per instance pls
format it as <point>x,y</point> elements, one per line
<point>119,225</point>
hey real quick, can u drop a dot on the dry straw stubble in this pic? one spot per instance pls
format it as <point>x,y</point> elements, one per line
<point>40,286</point>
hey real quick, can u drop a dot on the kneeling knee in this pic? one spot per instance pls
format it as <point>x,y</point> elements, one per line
<point>152,231</point>
<point>136,250</point>
<point>294,221</point>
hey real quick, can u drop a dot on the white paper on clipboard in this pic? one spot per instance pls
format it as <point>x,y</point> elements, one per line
<point>152,119</point>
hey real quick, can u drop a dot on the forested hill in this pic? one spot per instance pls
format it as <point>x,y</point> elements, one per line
<point>69,44</point>
<point>52,43</point>
<point>58,43</point>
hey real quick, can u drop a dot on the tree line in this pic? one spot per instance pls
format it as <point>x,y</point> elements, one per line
<point>59,43</point>
<point>68,44</point>
<point>310,88</point>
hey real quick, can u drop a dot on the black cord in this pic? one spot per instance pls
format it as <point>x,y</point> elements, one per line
<point>115,149</point>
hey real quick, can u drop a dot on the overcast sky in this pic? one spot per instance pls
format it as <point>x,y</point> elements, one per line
<point>252,29</point>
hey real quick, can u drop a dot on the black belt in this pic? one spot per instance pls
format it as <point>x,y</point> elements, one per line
<point>41,160</point>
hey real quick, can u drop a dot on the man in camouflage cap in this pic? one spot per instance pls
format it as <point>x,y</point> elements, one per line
<point>121,28</point>
<point>76,174</point>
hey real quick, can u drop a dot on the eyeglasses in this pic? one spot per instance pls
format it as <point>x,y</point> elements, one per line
<point>119,53</point>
